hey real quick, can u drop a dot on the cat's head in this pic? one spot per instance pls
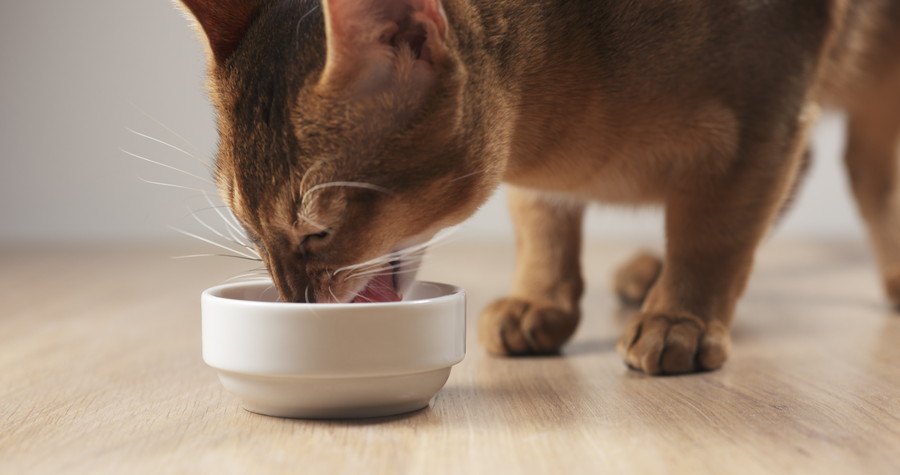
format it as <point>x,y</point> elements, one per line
<point>346,134</point>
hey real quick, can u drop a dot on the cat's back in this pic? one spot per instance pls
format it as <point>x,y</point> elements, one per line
<point>866,50</point>
<point>602,83</point>
<point>638,41</point>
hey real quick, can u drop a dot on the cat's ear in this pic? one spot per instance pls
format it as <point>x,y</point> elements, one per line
<point>224,22</point>
<point>367,37</point>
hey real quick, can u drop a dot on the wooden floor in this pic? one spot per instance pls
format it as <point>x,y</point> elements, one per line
<point>100,372</point>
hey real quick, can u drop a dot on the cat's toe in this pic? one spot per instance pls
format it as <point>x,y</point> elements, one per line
<point>657,344</point>
<point>513,326</point>
<point>634,279</point>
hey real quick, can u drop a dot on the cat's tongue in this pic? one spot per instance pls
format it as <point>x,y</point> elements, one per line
<point>379,289</point>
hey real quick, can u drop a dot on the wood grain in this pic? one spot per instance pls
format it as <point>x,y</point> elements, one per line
<point>100,372</point>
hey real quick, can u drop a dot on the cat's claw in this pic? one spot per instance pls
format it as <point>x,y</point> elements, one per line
<point>659,343</point>
<point>512,326</point>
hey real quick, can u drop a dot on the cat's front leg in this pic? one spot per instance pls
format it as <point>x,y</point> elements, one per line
<point>714,223</point>
<point>543,309</point>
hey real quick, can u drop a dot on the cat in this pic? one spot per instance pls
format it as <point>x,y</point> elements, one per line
<point>351,130</point>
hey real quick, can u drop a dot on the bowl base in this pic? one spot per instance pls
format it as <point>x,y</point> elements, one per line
<point>335,398</point>
<point>349,413</point>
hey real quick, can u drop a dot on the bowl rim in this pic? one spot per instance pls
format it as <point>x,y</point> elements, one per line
<point>455,292</point>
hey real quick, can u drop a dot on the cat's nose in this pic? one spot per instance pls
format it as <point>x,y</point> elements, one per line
<point>291,285</point>
<point>312,243</point>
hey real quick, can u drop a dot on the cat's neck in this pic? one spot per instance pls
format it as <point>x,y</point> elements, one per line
<point>511,49</point>
<point>491,39</point>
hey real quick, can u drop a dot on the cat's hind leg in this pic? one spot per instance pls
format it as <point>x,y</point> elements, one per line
<point>543,309</point>
<point>712,230</point>
<point>873,150</point>
<point>633,280</point>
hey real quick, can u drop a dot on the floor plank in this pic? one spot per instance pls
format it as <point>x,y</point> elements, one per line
<point>100,372</point>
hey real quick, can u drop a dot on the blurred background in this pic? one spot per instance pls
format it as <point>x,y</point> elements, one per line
<point>88,87</point>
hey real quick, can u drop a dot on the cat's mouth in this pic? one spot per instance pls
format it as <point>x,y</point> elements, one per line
<point>383,286</point>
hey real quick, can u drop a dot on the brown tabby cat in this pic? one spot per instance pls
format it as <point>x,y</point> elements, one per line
<point>353,129</point>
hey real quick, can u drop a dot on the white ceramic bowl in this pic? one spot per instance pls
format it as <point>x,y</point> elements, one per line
<point>333,360</point>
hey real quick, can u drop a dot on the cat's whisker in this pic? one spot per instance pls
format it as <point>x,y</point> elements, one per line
<point>257,269</point>
<point>311,222</point>
<point>231,228</point>
<point>346,184</point>
<point>441,236</point>
<point>390,257</point>
<point>358,296</point>
<point>300,21</point>
<point>267,290</point>
<point>217,233</point>
<point>380,287</point>
<point>467,175</point>
<point>164,126</point>
<point>377,262</point>
<point>248,278</point>
<point>380,260</point>
<point>236,234</point>
<point>438,238</point>
<point>416,251</point>
<point>382,265</point>
<point>233,220</point>
<point>170,167</point>
<point>209,241</point>
<point>170,185</point>
<point>253,254</point>
<point>206,208</point>
<point>260,273</point>
<point>332,295</point>
<point>378,266</point>
<point>212,229</point>
<point>431,247</point>
<point>373,274</point>
<point>194,256</point>
<point>386,270</point>
<point>167,144</point>
<point>229,218</point>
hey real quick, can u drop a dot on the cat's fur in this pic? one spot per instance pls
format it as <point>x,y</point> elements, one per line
<point>701,106</point>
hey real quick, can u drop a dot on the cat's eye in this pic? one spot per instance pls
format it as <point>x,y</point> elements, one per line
<point>310,241</point>
<point>320,235</point>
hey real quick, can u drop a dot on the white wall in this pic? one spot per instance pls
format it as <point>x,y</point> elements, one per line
<point>76,74</point>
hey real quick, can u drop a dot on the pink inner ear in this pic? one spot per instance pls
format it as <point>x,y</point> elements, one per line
<point>361,12</point>
<point>363,33</point>
<point>225,22</point>
<point>433,10</point>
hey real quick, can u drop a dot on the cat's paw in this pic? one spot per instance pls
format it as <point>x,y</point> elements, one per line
<point>512,326</point>
<point>658,343</point>
<point>634,279</point>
